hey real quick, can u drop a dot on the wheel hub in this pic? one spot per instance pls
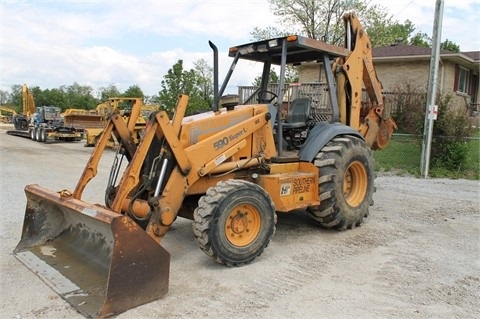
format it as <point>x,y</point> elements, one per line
<point>355,183</point>
<point>239,223</point>
<point>242,225</point>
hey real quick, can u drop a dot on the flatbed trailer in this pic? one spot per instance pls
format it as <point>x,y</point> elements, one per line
<point>19,133</point>
<point>49,134</point>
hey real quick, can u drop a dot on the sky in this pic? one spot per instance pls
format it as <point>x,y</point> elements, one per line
<point>123,43</point>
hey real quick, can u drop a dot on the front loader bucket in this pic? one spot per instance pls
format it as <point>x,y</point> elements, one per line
<point>100,262</point>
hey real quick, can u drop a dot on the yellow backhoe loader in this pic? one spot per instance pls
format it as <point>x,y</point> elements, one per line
<point>94,124</point>
<point>7,114</point>
<point>229,170</point>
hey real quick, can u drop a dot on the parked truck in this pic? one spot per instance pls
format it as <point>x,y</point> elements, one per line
<point>230,170</point>
<point>43,123</point>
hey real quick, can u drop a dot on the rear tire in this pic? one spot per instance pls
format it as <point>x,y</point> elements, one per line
<point>234,222</point>
<point>346,183</point>
<point>38,134</point>
<point>43,135</point>
<point>33,134</point>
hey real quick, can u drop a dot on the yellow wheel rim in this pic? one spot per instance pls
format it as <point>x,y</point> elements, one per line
<point>355,183</point>
<point>242,225</point>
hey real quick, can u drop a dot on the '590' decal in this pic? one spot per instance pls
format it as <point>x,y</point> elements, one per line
<point>225,140</point>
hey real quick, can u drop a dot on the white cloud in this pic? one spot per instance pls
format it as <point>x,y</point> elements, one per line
<point>124,43</point>
<point>48,44</point>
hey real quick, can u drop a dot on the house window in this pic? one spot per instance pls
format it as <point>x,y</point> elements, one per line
<point>463,75</point>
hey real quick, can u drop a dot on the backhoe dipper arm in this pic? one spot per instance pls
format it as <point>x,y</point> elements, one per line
<point>376,125</point>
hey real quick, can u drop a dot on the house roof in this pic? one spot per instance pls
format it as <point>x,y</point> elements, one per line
<point>474,55</point>
<point>404,52</point>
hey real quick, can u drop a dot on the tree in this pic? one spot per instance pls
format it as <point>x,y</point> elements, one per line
<point>291,75</point>
<point>421,39</point>
<point>320,19</point>
<point>107,92</point>
<point>384,33</point>
<point>47,97</point>
<point>267,33</point>
<point>133,91</point>
<point>204,73</point>
<point>272,78</point>
<point>78,97</point>
<point>15,97</point>
<point>450,46</point>
<point>3,97</point>
<point>179,81</point>
<point>151,99</point>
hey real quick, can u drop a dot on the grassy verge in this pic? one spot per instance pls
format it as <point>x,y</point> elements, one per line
<point>403,156</point>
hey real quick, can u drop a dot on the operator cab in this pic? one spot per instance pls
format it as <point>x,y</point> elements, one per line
<point>291,125</point>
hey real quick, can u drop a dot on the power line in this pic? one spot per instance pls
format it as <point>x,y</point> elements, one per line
<point>404,8</point>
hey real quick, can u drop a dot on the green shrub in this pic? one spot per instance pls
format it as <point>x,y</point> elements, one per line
<point>454,156</point>
<point>409,105</point>
<point>449,149</point>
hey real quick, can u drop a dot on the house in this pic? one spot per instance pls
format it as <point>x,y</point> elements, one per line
<point>458,73</point>
<point>397,64</point>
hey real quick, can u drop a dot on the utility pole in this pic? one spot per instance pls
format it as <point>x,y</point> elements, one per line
<point>432,89</point>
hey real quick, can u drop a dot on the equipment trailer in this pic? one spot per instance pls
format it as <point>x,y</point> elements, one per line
<point>42,124</point>
<point>47,126</point>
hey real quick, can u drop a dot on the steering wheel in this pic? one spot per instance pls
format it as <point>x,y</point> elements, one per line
<point>262,92</point>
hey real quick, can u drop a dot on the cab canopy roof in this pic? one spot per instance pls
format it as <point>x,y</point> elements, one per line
<point>299,49</point>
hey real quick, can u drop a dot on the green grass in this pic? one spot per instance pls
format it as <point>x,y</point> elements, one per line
<point>403,155</point>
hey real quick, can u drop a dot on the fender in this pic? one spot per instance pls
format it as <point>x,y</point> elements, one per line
<point>320,135</point>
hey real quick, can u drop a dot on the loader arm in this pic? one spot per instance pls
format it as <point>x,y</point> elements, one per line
<point>160,128</point>
<point>117,126</point>
<point>376,125</point>
<point>204,157</point>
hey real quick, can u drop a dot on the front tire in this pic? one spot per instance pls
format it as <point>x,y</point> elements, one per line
<point>346,183</point>
<point>234,222</point>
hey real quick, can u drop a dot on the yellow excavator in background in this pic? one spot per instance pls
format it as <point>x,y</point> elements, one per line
<point>94,122</point>
<point>230,170</point>
<point>21,122</point>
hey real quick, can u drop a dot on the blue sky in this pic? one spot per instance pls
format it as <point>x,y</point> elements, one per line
<point>123,43</point>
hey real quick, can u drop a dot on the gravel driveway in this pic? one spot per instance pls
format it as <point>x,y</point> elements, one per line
<point>416,256</point>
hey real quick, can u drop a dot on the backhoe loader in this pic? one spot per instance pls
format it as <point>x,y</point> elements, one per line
<point>94,127</point>
<point>229,170</point>
<point>7,114</point>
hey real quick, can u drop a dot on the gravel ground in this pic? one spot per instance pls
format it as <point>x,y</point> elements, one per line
<point>416,256</point>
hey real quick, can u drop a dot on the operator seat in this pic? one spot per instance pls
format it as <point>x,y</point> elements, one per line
<point>298,114</point>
